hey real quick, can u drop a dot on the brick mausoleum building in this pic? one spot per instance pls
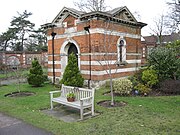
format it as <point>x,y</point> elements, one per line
<point>94,37</point>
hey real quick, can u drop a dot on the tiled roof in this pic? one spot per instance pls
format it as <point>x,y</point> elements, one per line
<point>165,38</point>
<point>108,14</point>
<point>171,38</point>
<point>77,11</point>
<point>150,39</point>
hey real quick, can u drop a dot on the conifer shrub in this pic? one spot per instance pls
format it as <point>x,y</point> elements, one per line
<point>72,75</point>
<point>122,86</point>
<point>35,76</point>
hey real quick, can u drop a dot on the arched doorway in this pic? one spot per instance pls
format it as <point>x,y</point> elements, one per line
<point>73,49</point>
<point>67,48</point>
<point>13,62</point>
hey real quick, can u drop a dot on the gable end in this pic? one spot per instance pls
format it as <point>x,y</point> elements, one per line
<point>64,13</point>
<point>125,14</point>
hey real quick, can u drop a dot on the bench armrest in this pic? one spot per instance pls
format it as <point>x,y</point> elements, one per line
<point>57,91</point>
<point>52,92</point>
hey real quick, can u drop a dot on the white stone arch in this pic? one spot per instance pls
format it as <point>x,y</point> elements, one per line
<point>123,49</point>
<point>13,61</point>
<point>64,53</point>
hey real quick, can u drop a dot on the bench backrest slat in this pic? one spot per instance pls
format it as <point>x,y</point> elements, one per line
<point>79,92</point>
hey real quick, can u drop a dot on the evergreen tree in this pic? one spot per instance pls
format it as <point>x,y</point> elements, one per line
<point>37,41</point>
<point>35,77</point>
<point>21,35</point>
<point>72,75</point>
<point>23,28</point>
<point>6,39</point>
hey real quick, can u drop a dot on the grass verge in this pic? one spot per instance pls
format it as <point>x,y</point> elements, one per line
<point>142,115</point>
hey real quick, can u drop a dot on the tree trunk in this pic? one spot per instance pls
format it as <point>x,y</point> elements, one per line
<point>5,45</point>
<point>111,86</point>
<point>21,47</point>
<point>22,42</point>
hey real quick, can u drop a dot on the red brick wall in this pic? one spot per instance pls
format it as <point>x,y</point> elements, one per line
<point>133,45</point>
<point>24,61</point>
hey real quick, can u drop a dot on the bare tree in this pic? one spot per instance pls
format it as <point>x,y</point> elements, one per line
<point>91,5</point>
<point>104,51</point>
<point>159,28</point>
<point>19,76</point>
<point>174,15</point>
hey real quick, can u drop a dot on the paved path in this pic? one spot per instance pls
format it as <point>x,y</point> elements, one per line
<point>13,126</point>
<point>11,81</point>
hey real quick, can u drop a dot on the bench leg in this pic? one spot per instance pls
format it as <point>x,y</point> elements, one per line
<point>81,109</point>
<point>51,104</point>
<point>51,97</point>
<point>81,113</point>
<point>92,110</point>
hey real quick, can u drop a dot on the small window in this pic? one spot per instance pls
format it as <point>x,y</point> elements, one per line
<point>121,51</point>
<point>121,44</point>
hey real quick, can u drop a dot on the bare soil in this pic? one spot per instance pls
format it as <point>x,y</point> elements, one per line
<point>107,103</point>
<point>19,94</point>
<point>153,93</point>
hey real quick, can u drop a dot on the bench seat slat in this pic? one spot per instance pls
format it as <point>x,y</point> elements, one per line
<point>75,104</point>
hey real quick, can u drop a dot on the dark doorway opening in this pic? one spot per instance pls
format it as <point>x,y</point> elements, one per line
<point>73,49</point>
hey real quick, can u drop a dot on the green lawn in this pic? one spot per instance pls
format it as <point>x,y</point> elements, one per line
<point>142,115</point>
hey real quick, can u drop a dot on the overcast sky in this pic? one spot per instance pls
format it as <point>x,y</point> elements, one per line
<point>44,11</point>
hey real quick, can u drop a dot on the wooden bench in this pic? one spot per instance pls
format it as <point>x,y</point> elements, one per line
<point>84,98</point>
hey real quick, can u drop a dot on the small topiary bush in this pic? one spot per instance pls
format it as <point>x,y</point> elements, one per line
<point>170,86</point>
<point>35,76</point>
<point>45,77</point>
<point>122,86</point>
<point>72,75</point>
<point>142,89</point>
<point>149,77</point>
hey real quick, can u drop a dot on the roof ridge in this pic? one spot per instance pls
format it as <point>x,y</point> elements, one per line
<point>115,10</point>
<point>75,10</point>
